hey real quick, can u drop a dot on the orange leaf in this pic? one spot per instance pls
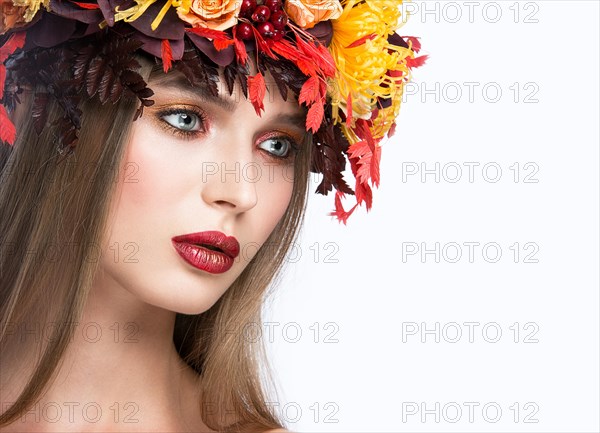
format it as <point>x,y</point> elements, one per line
<point>7,129</point>
<point>166,54</point>
<point>257,90</point>
<point>310,91</point>
<point>314,117</point>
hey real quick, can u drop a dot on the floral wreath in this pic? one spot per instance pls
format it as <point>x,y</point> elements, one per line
<point>354,65</point>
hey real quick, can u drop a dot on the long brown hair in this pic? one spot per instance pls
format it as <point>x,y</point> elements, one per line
<point>63,207</point>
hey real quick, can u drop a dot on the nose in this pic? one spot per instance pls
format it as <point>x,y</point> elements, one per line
<point>227,185</point>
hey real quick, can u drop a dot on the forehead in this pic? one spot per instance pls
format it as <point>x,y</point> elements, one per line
<point>175,84</point>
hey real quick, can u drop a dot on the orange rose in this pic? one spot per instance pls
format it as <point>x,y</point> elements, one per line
<point>307,13</point>
<point>212,14</point>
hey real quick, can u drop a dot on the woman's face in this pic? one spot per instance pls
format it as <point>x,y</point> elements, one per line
<point>203,170</point>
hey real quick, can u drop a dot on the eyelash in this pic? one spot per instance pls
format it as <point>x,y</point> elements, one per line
<point>202,118</point>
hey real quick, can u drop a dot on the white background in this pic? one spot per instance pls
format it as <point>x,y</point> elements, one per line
<point>367,369</point>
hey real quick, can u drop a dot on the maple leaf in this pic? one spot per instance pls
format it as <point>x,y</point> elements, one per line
<point>257,90</point>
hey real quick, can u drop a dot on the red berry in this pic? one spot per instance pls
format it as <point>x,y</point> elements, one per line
<point>273,5</point>
<point>277,35</point>
<point>247,8</point>
<point>266,29</point>
<point>261,14</point>
<point>244,31</point>
<point>279,20</point>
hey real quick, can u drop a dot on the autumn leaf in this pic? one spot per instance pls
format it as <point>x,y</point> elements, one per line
<point>362,40</point>
<point>14,42</point>
<point>7,129</point>
<point>339,212</point>
<point>416,62</point>
<point>349,115</point>
<point>86,5</point>
<point>314,117</point>
<point>209,33</point>
<point>416,44</point>
<point>257,90</point>
<point>310,91</point>
<point>167,55</point>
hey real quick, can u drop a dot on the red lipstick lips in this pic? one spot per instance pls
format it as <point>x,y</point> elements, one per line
<point>210,251</point>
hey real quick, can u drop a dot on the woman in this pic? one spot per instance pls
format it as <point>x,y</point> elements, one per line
<point>154,175</point>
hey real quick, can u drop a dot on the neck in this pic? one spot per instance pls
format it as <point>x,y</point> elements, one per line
<point>121,372</point>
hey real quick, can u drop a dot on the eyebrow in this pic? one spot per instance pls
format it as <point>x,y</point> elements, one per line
<point>180,82</point>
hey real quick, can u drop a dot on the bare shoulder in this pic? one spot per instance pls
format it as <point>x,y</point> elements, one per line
<point>277,430</point>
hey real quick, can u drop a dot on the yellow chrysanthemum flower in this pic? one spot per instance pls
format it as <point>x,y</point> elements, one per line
<point>32,7</point>
<point>364,57</point>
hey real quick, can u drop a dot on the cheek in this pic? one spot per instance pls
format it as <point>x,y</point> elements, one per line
<point>274,192</point>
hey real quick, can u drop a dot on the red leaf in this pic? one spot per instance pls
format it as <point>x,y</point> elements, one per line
<point>310,91</point>
<point>15,41</point>
<point>221,44</point>
<point>392,130</point>
<point>7,129</point>
<point>209,33</point>
<point>285,49</point>
<point>362,40</point>
<point>166,54</point>
<point>257,90</point>
<point>339,211</point>
<point>261,44</point>
<point>2,78</point>
<point>363,193</point>
<point>365,162</point>
<point>349,116</point>
<point>314,117</point>
<point>86,5</point>
<point>306,66</point>
<point>416,44</point>
<point>327,63</point>
<point>374,164</point>
<point>240,51</point>
<point>364,132</point>
<point>416,62</point>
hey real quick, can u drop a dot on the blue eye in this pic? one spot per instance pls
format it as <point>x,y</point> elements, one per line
<point>183,120</point>
<point>278,146</point>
